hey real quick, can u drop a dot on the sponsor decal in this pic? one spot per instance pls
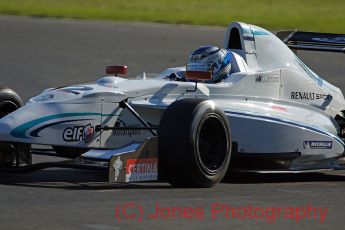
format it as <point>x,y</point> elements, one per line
<point>310,96</point>
<point>340,39</point>
<point>117,167</point>
<point>248,38</point>
<point>124,132</point>
<point>79,133</point>
<point>317,144</point>
<point>141,169</point>
<point>194,58</point>
<point>266,78</point>
<point>200,67</point>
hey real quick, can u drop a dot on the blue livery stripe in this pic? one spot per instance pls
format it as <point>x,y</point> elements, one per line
<point>285,121</point>
<point>20,131</point>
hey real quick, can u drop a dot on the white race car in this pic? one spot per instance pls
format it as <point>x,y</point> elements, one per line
<point>274,115</point>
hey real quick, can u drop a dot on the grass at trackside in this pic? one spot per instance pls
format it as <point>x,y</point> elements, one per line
<point>312,15</point>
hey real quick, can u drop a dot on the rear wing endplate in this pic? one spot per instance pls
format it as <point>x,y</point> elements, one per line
<point>298,40</point>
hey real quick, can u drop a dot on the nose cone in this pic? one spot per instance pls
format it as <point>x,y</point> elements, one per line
<point>6,127</point>
<point>10,123</point>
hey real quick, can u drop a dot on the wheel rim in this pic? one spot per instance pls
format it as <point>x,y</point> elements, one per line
<point>6,154</point>
<point>211,144</point>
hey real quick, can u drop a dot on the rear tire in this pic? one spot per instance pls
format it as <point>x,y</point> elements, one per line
<point>194,143</point>
<point>12,153</point>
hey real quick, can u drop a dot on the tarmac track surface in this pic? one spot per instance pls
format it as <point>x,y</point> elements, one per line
<point>40,53</point>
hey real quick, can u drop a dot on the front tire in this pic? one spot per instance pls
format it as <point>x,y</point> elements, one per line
<point>194,143</point>
<point>12,153</point>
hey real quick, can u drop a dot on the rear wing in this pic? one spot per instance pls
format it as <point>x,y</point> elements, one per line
<point>298,40</point>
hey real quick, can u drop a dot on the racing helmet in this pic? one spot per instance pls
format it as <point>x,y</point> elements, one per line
<point>218,60</point>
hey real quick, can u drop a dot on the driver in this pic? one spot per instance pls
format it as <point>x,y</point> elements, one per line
<point>222,62</point>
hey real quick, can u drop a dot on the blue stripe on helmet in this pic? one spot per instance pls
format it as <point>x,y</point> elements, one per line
<point>227,58</point>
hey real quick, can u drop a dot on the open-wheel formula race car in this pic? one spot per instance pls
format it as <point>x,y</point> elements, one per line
<point>276,116</point>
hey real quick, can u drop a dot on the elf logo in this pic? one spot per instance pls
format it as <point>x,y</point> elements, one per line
<point>79,133</point>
